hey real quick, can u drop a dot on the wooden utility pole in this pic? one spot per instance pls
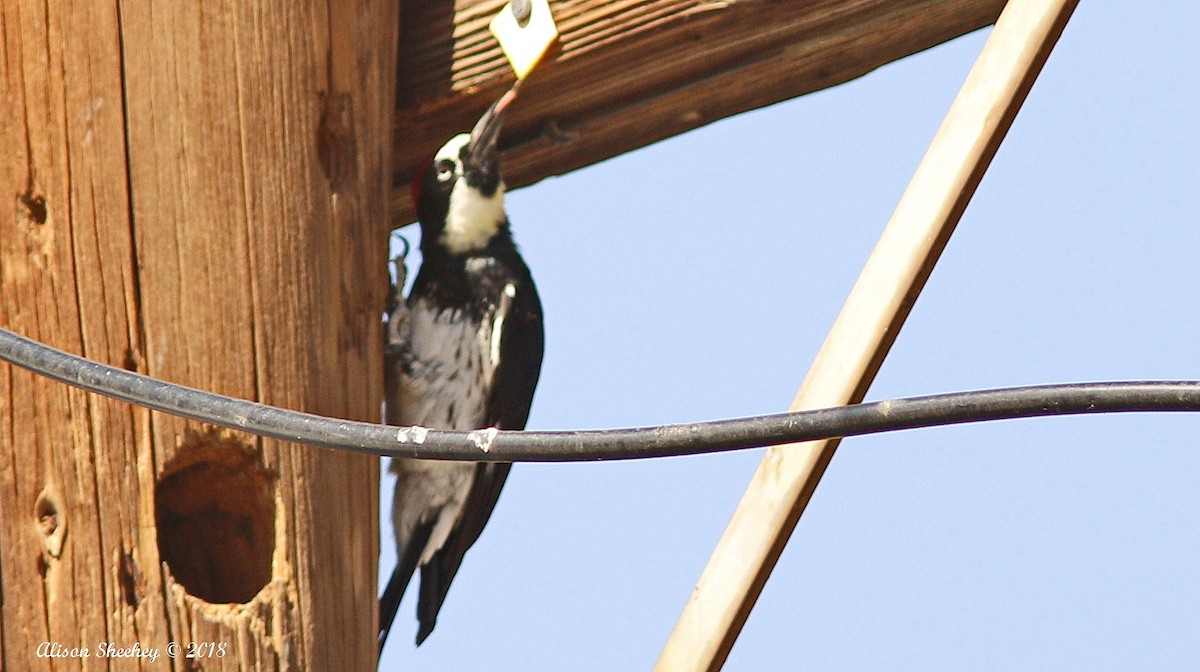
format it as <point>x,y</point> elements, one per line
<point>201,192</point>
<point>198,192</point>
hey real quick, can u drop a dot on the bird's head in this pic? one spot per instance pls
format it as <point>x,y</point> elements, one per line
<point>459,196</point>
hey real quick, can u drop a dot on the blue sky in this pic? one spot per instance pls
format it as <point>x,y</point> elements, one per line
<point>696,278</point>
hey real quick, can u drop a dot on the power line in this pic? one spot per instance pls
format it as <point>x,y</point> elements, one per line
<point>589,445</point>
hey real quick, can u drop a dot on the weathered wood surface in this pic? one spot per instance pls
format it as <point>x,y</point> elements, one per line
<point>66,278</point>
<point>632,72</point>
<point>196,191</point>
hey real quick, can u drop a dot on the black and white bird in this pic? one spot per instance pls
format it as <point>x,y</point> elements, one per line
<point>465,352</point>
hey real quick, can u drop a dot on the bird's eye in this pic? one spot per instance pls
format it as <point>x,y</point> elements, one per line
<point>445,170</point>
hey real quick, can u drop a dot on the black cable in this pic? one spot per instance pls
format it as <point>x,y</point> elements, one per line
<point>617,444</point>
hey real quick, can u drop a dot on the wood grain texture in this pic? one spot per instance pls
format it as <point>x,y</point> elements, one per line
<point>68,460</point>
<point>630,73</point>
<point>197,192</point>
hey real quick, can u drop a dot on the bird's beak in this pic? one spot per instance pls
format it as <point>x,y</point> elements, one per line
<point>482,146</point>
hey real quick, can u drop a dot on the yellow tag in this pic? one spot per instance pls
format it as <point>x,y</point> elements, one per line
<point>525,45</point>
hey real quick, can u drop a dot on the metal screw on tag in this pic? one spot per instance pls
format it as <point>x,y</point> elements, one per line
<point>525,30</point>
<point>522,10</point>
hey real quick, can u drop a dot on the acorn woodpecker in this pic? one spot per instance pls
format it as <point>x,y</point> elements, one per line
<point>464,353</point>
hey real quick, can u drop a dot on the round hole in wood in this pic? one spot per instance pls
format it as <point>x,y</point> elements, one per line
<point>215,507</point>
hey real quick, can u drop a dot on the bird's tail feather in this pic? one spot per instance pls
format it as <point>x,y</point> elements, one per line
<point>389,601</point>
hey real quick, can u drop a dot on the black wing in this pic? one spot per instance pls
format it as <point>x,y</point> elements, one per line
<point>521,347</point>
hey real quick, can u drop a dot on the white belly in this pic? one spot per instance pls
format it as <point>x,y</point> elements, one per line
<point>452,373</point>
<point>429,490</point>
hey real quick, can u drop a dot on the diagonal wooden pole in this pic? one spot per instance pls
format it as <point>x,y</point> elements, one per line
<point>864,331</point>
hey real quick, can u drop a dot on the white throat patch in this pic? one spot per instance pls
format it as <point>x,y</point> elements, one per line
<point>472,218</point>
